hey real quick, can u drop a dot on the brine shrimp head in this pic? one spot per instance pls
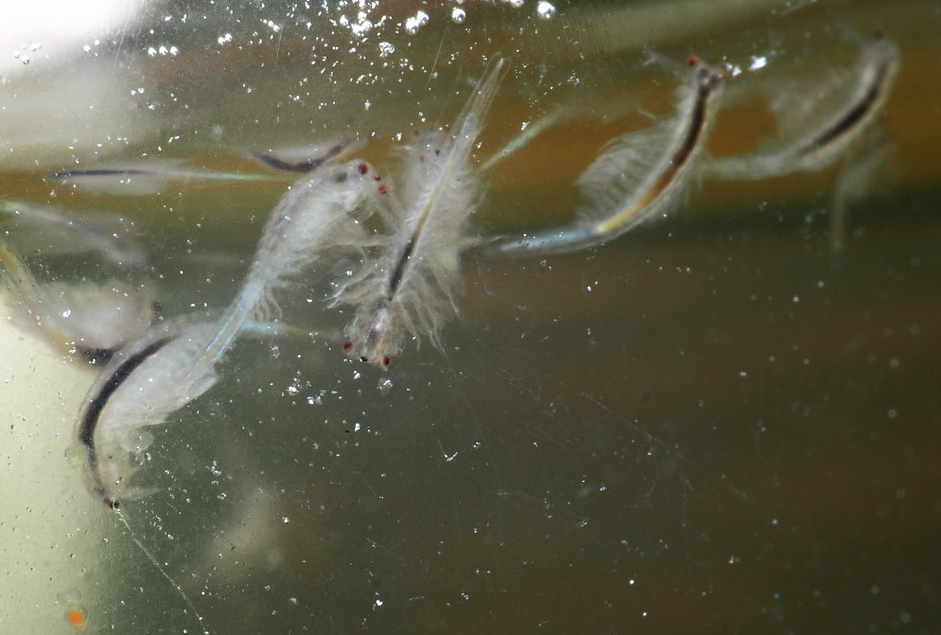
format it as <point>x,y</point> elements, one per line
<point>639,176</point>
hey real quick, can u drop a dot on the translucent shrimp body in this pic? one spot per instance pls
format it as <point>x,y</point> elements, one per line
<point>408,287</point>
<point>316,213</point>
<point>140,387</point>
<point>822,132</point>
<point>639,176</point>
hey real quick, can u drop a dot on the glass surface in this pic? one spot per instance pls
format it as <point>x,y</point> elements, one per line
<point>714,424</point>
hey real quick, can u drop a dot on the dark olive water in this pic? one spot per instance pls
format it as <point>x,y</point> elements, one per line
<point>712,425</point>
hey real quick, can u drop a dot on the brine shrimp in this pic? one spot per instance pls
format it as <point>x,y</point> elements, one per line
<point>410,286</point>
<point>140,387</point>
<point>144,178</point>
<point>53,231</point>
<point>317,213</point>
<point>822,131</point>
<point>638,176</point>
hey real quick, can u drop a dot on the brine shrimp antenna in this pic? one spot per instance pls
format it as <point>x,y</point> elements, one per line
<point>822,138</point>
<point>639,176</point>
<point>415,276</point>
<point>153,560</point>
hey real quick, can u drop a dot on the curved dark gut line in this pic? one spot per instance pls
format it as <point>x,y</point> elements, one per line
<point>680,157</point>
<point>856,114</point>
<point>86,430</point>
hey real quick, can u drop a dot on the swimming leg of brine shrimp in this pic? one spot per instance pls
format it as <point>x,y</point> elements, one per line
<point>639,176</point>
<point>408,286</point>
<point>823,129</point>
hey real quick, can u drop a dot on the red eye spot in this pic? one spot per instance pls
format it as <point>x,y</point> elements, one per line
<point>423,157</point>
<point>383,188</point>
<point>347,345</point>
<point>692,60</point>
<point>363,168</point>
<point>386,361</point>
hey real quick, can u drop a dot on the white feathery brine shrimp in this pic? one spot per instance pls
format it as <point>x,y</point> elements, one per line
<point>639,176</point>
<point>174,364</point>
<point>821,133</point>
<point>409,285</point>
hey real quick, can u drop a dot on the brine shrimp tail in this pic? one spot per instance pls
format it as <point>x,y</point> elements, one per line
<point>638,176</point>
<point>855,181</point>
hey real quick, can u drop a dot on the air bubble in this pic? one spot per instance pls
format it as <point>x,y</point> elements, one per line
<point>458,15</point>
<point>545,10</point>
<point>416,22</point>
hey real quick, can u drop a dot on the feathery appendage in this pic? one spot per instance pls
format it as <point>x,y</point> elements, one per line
<point>638,176</point>
<point>821,133</point>
<point>410,285</point>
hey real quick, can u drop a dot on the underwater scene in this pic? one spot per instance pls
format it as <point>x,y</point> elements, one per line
<point>470,316</point>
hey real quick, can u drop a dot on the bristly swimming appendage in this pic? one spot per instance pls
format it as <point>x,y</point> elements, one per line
<point>409,285</point>
<point>817,145</point>
<point>638,176</point>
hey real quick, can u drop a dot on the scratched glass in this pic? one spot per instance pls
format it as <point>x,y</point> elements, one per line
<point>722,421</point>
